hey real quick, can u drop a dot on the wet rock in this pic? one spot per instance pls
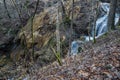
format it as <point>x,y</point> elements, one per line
<point>10,25</point>
<point>5,43</point>
<point>108,1</point>
<point>44,26</point>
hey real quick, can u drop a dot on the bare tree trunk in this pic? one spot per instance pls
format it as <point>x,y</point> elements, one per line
<point>94,24</point>
<point>94,21</point>
<point>71,27</point>
<point>72,18</point>
<point>111,17</point>
<point>32,31</point>
<point>63,10</point>
<point>58,36</point>
<point>58,33</point>
<point>4,1</point>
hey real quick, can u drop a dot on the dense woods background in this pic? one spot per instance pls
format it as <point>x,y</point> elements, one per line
<point>35,33</point>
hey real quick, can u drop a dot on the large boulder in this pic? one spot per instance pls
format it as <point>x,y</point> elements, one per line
<point>44,35</point>
<point>44,27</point>
<point>10,22</point>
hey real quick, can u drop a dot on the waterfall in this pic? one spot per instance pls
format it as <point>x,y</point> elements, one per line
<point>101,23</point>
<point>74,47</point>
<point>101,27</point>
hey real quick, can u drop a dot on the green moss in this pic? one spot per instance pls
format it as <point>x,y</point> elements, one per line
<point>119,40</point>
<point>49,4</point>
<point>118,27</point>
<point>94,40</point>
<point>108,66</point>
<point>67,21</point>
<point>105,35</point>
<point>80,49</point>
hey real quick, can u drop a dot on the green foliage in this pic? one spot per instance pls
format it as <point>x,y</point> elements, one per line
<point>94,40</point>
<point>108,66</point>
<point>52,44</point>
<point>105,35</point>
<point>49,4</point>
<point>118,40</point>
<point>118,27</point>
<point>27,2</point>
<point>80,49</point>
<point>52,41</point>
<point>67,21</point>
<point>57,55</point>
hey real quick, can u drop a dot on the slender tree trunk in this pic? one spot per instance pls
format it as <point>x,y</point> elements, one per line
<point>71,27</point>
<point>111,16</point>
<point>63,10</point>
<point>58,33</point>
<point>58,36</point>
<point>94,22</point>
<point>5,5</point>
<point>72,18</point>
<point>32,31</point>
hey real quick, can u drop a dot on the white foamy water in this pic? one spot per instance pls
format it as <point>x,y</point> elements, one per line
<point>101,27</point>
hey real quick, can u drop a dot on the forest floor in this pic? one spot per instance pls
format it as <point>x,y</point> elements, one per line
<point>97,61</point>
<point>100,62</point>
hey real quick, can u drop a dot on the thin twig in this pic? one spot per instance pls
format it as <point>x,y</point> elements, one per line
<point>5,5</point>
<point>32,30</point>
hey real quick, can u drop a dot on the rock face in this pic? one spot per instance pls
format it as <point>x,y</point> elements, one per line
<point>105,1</point>
<point>44,26</point>
<point>10,22</point>
<point>44,35</point>
<point>118,4</point>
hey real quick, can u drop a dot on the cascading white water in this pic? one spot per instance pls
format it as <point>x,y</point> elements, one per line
<point>74,47</point>
<point>101,27</point>
<point>101,23</point>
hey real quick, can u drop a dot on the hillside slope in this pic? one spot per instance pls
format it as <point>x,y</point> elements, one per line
<point>97,63</point>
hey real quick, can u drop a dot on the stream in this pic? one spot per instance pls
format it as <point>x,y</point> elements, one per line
<point>101,27</point>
